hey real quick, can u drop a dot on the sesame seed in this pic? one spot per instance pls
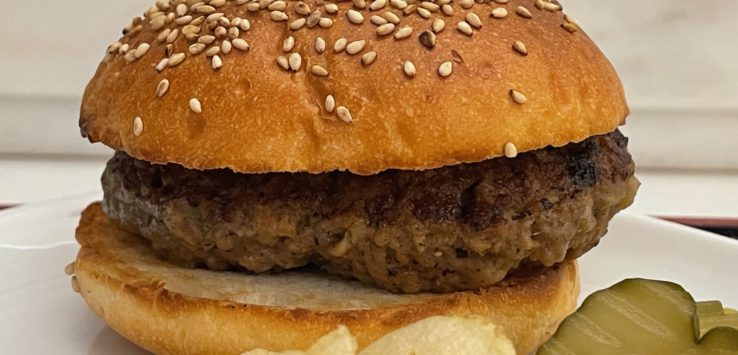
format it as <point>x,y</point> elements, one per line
<point>114,47</point>
<point>427,39</point>
<point>570,27</point>
<point>511,151</point>
<point>518,97</point>
<point>377,4</point>
<point>318,70</point>
<point>430,6</point>
<point>314,19</point>
<point>130,56</point>
<point>215,17</point>
<point>196,48</point>
<point>205,9</point>
<point>499,12</point>
<point>278,16</point>
<point>181,10</point>
<point>195,105</point>
<point>168,50</point>
<point>403,32</point>
<point>409,10</point>
<point>207,39</point>
<point>549,6</point>
<point>221,32</point>
<point>241,44</point>
<point>141,50</point>
<point>184,20</point>
<point>331,8</point>
<point>399,4</point>
<point>359,4</point>
<point>233,32</point>
<point>162,88</point>
<point>325,22</point>
<point>278,5</point>
<point>288,44</point>
<point>283,62</point>
<point>245,25</point>
<point>344,114</point>
<point>319,45</point>
<point>424,13</point>
<point>173,36</point>
<point>138,126</point>
<point>520,48</point>
<point>445,69</point>
<point>464,28</point>
<point>378,20</point>
<point>523,12</point>
<point>198,21</point>
<point>340,45</point>
<point>70,268</point>
<point>368,58</point>
<point>123,48</point>
<point>355,16</point>
<point>136,30</point>
<point>409,68</point>
<point>302,8</point>
<point>295,61</point>
<point>298,24</point>
<point>212,51</point>
<point>163,35</point>
<point>391,17</point>
<point>386,29</point>
<point>75,284</point>
<point>157,23</point>
<point>438,25</point>
<point>176,59</point>
<point>473,20</point>
<point>330,103</point>
<point>438,254</point>
<point>466,4</point>
<point>217,63</point>
<point>253,7</point>
<point>448,10</point>
<point>355,47</point>
<point>163,64</point>
<point>226,47</point>
<point>190,30</point>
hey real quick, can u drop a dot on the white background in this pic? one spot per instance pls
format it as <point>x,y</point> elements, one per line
<point>678,61</point>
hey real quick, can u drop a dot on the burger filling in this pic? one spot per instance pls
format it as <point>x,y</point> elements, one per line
<point>462,227</point>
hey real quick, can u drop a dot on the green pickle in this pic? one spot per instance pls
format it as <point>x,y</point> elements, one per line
<point>640,316</point>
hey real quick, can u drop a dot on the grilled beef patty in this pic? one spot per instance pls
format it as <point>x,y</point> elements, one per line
<point>455,228</point>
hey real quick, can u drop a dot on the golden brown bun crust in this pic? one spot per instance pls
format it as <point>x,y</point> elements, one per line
<point>170,310</point>
<point>258,117</point>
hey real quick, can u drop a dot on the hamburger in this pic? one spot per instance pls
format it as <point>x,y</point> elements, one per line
<point>283,168</point>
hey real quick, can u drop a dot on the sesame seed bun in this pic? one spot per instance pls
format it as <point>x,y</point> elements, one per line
<point>171,310</point>
<point>522,78</point>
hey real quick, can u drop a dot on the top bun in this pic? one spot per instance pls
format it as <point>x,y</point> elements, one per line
<point>252,101</point>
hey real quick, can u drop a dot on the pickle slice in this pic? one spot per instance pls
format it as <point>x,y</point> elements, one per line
<point>639,316</point>
<point>711,315</point>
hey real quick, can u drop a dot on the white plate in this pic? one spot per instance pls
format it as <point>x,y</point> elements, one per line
<point>41,314</point>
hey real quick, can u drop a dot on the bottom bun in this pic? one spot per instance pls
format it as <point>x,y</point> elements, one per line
<point>167,309</point>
